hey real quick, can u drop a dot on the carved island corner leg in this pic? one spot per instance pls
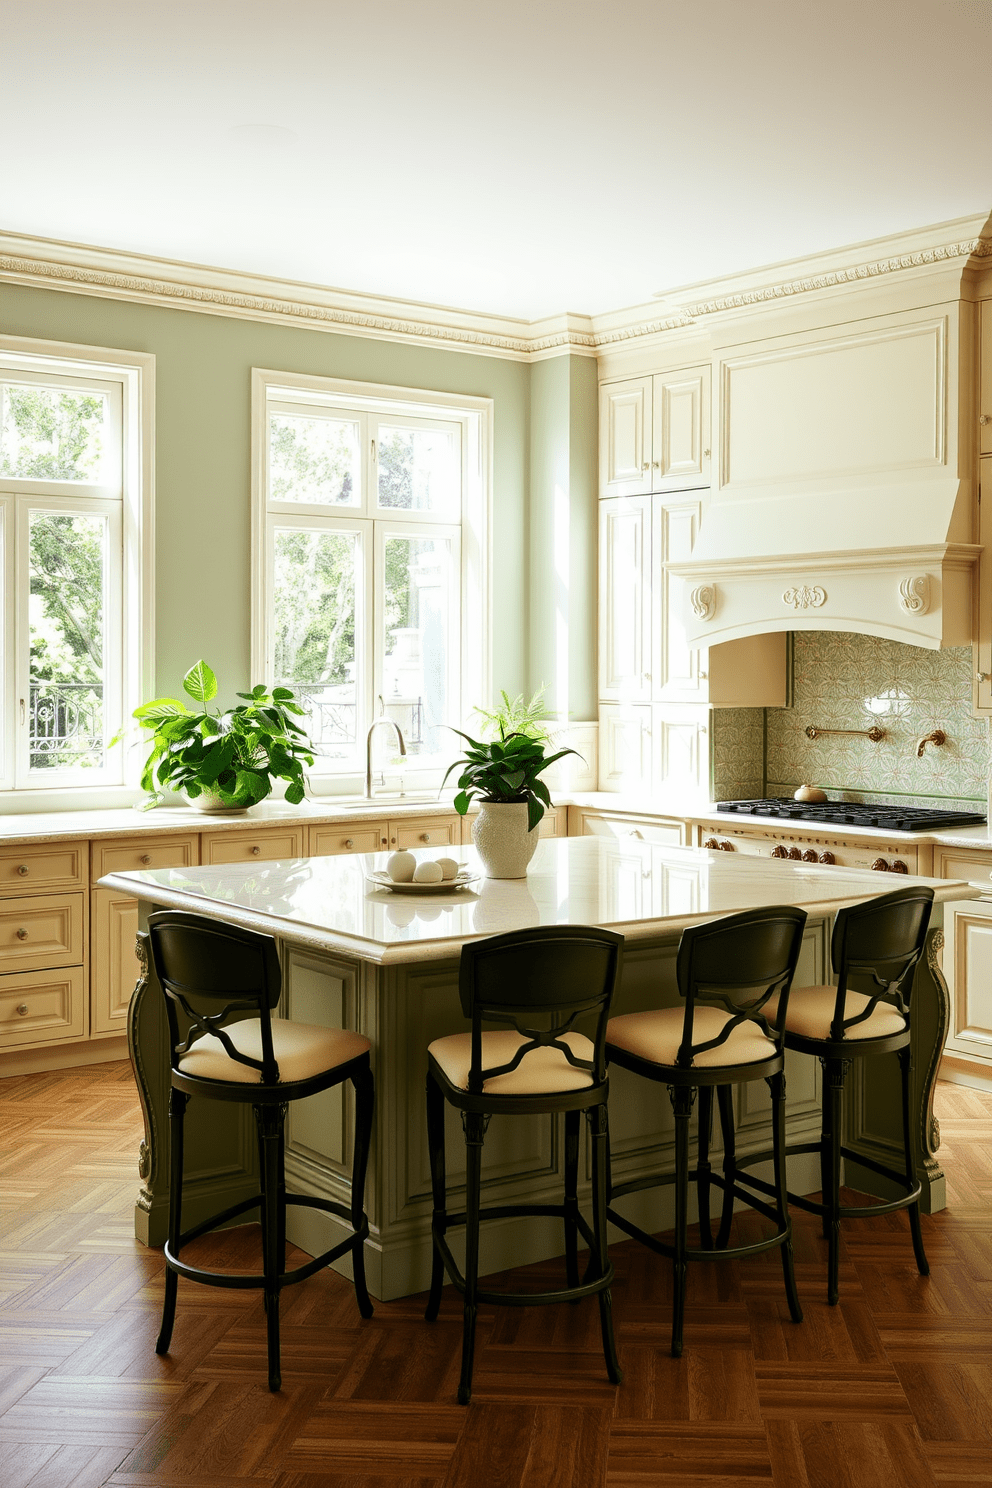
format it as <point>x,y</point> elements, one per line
<point>931,1020</point>
<point>147,1036</point>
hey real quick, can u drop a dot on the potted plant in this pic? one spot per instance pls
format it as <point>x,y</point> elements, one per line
<point>504,774</point>
<point>225,761</point>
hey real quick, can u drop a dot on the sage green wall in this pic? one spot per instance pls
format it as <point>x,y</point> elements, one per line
<point>203,385</point>
<point>563,535</point>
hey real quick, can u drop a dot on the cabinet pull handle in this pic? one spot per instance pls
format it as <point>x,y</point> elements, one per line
<point>349,842</point>
<point>646,465</point>
<point>22,869</point>
<point>392,840</point>
<point>425,836</point>
<point>22,1008</point>
<point>22,934</point>
<point>146,857</point>
<point>383,840</point>
<point>255,850</point>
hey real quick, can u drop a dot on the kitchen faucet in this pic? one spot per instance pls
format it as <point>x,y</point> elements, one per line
<point>379,723</point>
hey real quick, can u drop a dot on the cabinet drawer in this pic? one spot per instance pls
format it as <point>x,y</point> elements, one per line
<point>43,932</point>
<point>370,837</point>
<point>553,823</point>
<point>425,832</point>
<point>40,1007</point>
<point>251,847</point>
<point>43,867</point>
<point>131,854</point>
<point>639,829</point>
<point>963,862</point>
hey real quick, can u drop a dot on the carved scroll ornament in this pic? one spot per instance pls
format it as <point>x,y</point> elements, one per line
<point>703,601</point>
<point>914,594</point>
<point>805,597</point>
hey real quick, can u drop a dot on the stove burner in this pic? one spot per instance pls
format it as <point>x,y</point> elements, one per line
<point>855,813</point>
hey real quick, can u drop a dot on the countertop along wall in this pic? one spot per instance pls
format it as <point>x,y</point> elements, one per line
<point>203,367</point>
<point>847,681</point>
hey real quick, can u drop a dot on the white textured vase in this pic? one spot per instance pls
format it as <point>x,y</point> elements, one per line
<point>502,840</point>
<point>209,801</point>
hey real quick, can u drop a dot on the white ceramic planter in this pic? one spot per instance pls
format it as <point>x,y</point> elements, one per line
<point>502,840</point>
<point>209,801</point>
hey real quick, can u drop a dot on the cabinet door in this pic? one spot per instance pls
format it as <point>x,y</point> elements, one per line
<point>625,438</point>
<point>624,600</point>
<point>985,412</point>
<point>624,748</point>
<point>681,417</point>
<point>113,964</point>
<point>983,647</point>
<point>968,972</point>
<point>678,671</point>
<point>680,741</point>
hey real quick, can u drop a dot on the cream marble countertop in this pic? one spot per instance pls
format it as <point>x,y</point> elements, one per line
<point>131,821</point>
<point>638,889</point>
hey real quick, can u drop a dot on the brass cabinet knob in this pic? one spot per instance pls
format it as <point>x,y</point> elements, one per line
<point>22,1008</point>
<point>711,842</point>
<point>22,869</point>
<point>779,851</point>
<point>809,856</point>
<point>392,840</point>
<point>880,865</point>
<point>899,866</point>
<point>827,857</point>
<point>349,842</point>
<point>425,836</point>
<point>255,850</point>
<point>22,934</point>
<point>795,854</point>
<point>146,857</point>
<point>727,847</point>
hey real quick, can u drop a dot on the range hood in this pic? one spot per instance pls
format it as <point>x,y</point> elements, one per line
<point>840,501</point>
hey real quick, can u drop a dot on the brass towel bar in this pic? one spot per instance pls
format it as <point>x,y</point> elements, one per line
<point>874,733</point>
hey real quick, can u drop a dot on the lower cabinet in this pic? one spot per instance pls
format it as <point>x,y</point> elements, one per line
<point>664,832</point>
<point>968,955</point>
<point>113,964</point>
<point>39,1007</point>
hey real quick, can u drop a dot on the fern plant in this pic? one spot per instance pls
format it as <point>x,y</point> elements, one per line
<point>235,755</point>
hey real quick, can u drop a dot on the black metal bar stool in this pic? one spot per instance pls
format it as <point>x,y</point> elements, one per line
<point>551,977</point>
<point>220,986</point>
<point>875,948</point>
<point>727,972</point>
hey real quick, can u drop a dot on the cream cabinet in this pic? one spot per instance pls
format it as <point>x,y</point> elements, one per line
<point>585,821</point>
<point>654,433</point>
<point>968,955</point>
<point>44,927</point>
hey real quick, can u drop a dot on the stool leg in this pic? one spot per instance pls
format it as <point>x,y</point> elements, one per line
<point>177,1111</point>
<point>364,1108</point>
<point>439,1218</point>
<point>836,1070</point>
<point>826,1140</point>
<point>776,1084</point>
<point>703,1170</point>
<point>682,1105</point>
<point>271,1120</point>
<point>922,1264</point>
<point>572,1119</point>
<point>599,1128</point>
<point>475,1131</point>
<point>725,1101</point>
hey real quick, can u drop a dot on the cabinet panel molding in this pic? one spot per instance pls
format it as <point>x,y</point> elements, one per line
<point>625,438</point>
<point>114,967</point>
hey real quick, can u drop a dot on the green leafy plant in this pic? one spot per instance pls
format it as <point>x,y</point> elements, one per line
<point>517,715</point>
<point>505,770</point>
<point>234,755</point>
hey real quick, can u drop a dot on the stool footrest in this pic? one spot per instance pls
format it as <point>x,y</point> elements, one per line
<point>848,1211</point>
<point>695,1252</point>
<point>286,1278</point>
<point>520,1299</point>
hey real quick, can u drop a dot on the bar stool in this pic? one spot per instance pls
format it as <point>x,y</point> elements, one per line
<point>876,947</point>
<point>551,976</point>
<point>220,986</point>
<point>727,971</point>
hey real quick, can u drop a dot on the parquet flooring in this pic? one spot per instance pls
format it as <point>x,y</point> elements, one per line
<point>893,1386</point>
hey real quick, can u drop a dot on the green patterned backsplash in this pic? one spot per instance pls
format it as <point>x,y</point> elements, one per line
<point>738,753</point>
<point>853,681</point>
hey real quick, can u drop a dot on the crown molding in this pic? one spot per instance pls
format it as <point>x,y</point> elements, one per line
<point>79,269</point>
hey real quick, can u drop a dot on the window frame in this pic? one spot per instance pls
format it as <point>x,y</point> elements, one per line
<point>301,393</point>
<point>129,676</point>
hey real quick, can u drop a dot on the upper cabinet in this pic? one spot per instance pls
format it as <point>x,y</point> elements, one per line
<point>655,433</point>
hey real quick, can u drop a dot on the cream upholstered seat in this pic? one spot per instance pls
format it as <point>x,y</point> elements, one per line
<point>811,1011</point>
<point>302,1050</point>
<point>656,1035</point>
<point>540,1072</point>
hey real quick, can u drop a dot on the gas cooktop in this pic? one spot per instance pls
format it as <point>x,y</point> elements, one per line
<point>854,814</point>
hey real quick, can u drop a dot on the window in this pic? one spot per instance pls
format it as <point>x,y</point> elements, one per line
<point>74,505</point>
<point>370,574</point>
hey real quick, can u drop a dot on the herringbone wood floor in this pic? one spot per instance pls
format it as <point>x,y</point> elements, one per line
<point>893,1386</point>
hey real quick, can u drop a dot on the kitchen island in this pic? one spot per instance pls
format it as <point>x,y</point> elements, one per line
<point>386,964</point>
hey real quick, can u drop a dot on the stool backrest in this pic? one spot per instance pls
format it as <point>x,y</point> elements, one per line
<point>554,975</point>
<point>877,945</point>
<point>201,963</point>
<point>738,962</point>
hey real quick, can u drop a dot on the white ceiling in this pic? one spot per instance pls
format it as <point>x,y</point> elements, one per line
<point>526,157</point>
